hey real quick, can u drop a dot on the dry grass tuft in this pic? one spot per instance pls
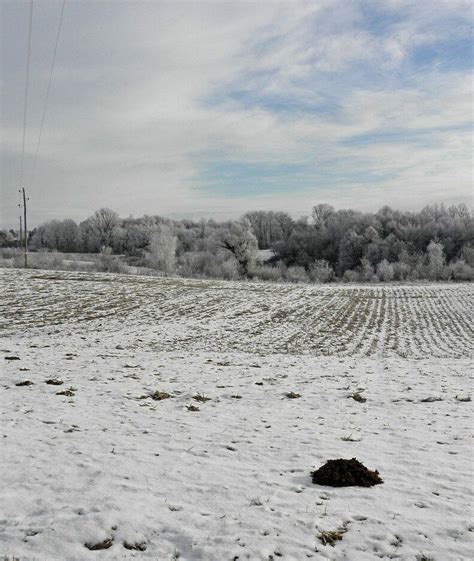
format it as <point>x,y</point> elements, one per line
<point>350,438</point>
<point>54,382</point>
<point>24,383</point>
<point>332,536</point>
<point>192,408</point>
<point>201,398</point>
<point>292,395</point>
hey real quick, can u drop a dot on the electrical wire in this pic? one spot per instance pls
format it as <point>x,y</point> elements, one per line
<point>35,161</point>
<point>25,107</point>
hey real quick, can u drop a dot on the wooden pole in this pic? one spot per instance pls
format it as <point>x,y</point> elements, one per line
<point>20,237</point>
<point>25,228</point>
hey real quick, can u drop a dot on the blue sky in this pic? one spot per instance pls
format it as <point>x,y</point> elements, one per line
<point>211,109</point>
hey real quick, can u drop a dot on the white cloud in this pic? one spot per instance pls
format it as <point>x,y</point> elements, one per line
<point>132,119</point>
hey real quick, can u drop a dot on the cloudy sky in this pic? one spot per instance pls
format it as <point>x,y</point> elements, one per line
<point>210,108</point>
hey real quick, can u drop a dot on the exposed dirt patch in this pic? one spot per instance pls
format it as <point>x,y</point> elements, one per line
<point>345,473</point>
<point>67,393</point>
<point>54,382</point>
<point>159,395</point>
<point>137,546</point>
<point>100,545</point>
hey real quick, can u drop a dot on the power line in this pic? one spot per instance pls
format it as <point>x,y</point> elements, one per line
<point>47,94</point>
<point>25,107</point>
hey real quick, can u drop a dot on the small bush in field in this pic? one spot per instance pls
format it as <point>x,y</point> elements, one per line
<point>109,263</point>
<point>321,271</point>
<point>385,271</point>
<point>266,273</point>
<point>461,271</point>
<point>296,274</point>
<point>351,276</point>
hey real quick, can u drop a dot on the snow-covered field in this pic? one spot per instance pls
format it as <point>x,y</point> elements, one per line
<point>231,480</point>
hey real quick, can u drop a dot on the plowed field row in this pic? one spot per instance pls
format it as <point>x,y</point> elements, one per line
<point>372,320</point>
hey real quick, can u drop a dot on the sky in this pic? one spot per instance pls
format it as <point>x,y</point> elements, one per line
<point>212,108</point>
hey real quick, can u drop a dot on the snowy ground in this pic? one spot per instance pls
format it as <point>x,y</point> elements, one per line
<point>231,481</point>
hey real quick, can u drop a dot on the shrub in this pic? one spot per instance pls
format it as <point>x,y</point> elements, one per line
<point>367,271</point>
<point>321,271</point>
<point>385,271</point>
<point>461,271</point>
<point>351,276</point>
<point>108,263</point>
<point>401,271</point>
<point>205,264</point>
<point>266,273</point>
<point>44,260</point>
<point>296,274</point>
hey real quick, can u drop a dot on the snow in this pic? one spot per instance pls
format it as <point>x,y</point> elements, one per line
<point>232,480</point>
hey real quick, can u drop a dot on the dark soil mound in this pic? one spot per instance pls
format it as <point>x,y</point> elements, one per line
<point>345,473</point>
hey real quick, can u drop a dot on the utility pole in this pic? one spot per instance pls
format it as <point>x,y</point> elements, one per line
<point>25,227</point>
<point>20,238</point>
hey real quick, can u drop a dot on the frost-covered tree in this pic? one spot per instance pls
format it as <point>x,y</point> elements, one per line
<point>239,239</point>
<point>436,260</point>
<point>161,253</point>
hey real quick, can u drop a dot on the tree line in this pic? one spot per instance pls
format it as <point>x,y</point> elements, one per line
<point>436,243</point>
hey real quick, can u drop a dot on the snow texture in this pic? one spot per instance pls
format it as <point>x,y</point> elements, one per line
<point>229,478</point>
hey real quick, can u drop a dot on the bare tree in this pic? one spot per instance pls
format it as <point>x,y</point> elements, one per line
<point>321,213</point>
<point>103,223</point>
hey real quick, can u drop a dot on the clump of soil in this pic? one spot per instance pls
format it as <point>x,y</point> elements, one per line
<point>24,383</point>
<point>54,382</point>
<point>101,545</point>
<point>358,397</point>
<point>159,396</point>
<point>293,395</point>
<point>135,546</point>
<point>67,393</point>
<point>345,473</point>
<point>12,358</point>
